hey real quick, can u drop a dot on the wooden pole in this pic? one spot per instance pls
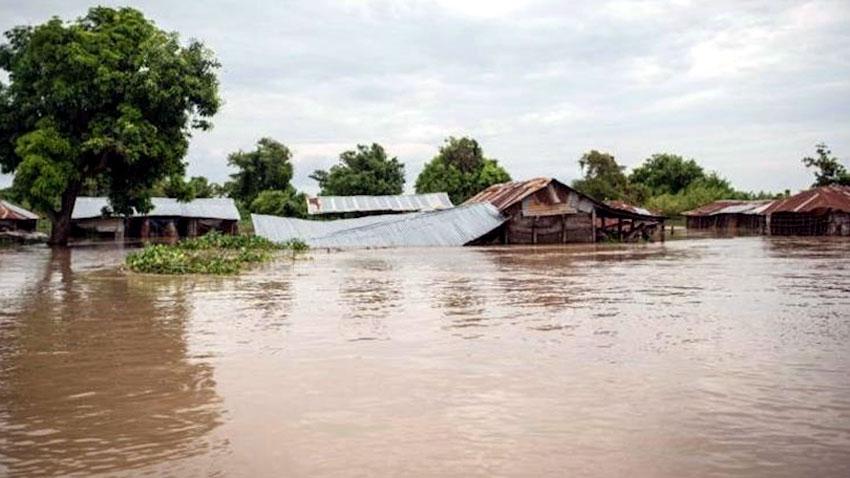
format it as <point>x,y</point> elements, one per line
<point>593,224</point>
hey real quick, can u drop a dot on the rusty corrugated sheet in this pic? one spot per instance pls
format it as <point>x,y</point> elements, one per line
<point>624,206</point>
<point>824,198</point>
<point>9,211</point>
<point>505,195</point>
<point>397,203</point>
<point>730,206</point>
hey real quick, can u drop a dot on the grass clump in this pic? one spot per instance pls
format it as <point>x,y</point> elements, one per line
<point>214,253</point>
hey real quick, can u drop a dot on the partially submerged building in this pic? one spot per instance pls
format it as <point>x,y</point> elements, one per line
<point>547,211</point>
<point>822,211</point>
<point>733,216</point>
<point>377,205</point>
<point>456,226</point>
<point>16,219</point>
<point>169,218</point>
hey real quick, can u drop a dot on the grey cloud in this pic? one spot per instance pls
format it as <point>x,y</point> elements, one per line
<point>746,88</point>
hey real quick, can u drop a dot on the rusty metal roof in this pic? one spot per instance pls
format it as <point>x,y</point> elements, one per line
<point>824,198</point>
<point>504,195</point>
<point>9,211</point>
<point>730,206</point>
<point>398,203</point>
<point>624,206</point>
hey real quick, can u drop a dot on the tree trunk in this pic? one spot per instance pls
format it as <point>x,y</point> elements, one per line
<point>61,221</point>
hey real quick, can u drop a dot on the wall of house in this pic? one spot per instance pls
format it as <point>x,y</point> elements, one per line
<point>26,225</point>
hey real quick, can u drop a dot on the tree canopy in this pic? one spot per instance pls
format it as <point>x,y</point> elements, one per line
<point>288,202</point>
<point>363,171</point>
<point>828,169</point>
<point>605,180</point>
<point>667,173</point>
<point>461,170</point>
<point>268,167</point>
<point>109,99</point>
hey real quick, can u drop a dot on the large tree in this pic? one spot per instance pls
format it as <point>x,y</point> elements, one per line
<point>461,170</point>
<point>828,169</point>
<point>667,173</point>
<point>363,171</point>
<point>605,180</point>
<point>268,167</point>
<point>108,99</point>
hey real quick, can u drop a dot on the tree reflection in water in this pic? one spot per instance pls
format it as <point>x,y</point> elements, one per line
<point>95,375</point>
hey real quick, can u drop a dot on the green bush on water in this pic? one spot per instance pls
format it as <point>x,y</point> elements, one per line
<point>214,253</point>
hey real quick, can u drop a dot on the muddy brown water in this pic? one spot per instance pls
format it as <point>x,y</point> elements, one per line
<point>709,357</point>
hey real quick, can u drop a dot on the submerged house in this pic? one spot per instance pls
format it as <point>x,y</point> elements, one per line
<point>455,226</point>
<point>355,206</point>
<point>168,218</point>
<point>822,211</point>
<point>547,211</point>
<point>16,219</point>
<point>730,216</point>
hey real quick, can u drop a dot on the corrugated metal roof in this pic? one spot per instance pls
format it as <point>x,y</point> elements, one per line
<point>824,198</point>
<point>448,227</point>
<point>207,208</point>
<point>730,206</point>
<point>399,203</point>
<point>504,195</point>
<point>17,213</point>
<point>624,206</point>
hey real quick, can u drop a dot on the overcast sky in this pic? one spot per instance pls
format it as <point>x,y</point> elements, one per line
<point>746,88</point>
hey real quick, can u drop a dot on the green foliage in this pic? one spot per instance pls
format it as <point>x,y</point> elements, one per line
<point>666,173</point>
<point>104,102</point>
<point>288,203</point>
<point>214,253</point>
<point>604,179</point>
<point>182,190</point>
<point>268,167</point>
<point>828,169</point>
<point>461,170</point>
<point>363,171</point>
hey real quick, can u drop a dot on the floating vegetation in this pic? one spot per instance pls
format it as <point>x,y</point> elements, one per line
<point>214,253</point>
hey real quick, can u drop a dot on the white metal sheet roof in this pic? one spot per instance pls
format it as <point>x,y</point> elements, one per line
<point>449,227</point>
<point>400,203</point>
<point>206,208</point>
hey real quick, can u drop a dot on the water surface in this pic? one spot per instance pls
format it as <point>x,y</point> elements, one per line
<point>709,357</point>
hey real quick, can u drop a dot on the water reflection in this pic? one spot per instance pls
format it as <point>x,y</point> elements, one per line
<point>371,291</point>
<point>77,391</point>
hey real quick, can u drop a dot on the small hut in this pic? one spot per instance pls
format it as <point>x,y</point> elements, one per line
<point>733,216</point>
<point>547,211</point>
<point>16,219</point>
<point>822,211</point>
<point>168,218</point>
<point>359,206</point>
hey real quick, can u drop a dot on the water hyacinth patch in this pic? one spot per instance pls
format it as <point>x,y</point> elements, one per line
<point>214,253</point>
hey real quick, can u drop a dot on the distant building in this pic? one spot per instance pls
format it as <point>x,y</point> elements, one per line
<point>355,206</point>
<point>823,211</point>
<point>15,218</point>
<point>169,218</point>
<point>733,216</point>
<point>547,211</point>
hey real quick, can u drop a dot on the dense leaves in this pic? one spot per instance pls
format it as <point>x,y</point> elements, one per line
<point>288,203</point>
<point>461,170</point>
<point>605,180</point>
<point>268,167</point>
<point>828,170</point>
<point>214,253</point>
<point>363,171</point>
<point>667,173</point>
<point>107,101</point>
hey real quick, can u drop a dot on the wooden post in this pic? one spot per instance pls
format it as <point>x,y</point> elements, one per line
<point>563,229</point>
<point>593,224</point>
<point>145,231</point>
<point>619,229</point>
<point>534,230</point>
<point>662,230</point>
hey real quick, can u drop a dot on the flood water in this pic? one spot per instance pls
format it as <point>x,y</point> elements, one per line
<point>709,357</point>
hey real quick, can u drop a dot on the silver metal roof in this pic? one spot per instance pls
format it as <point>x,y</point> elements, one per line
<point>206,208</point>
<point>13,210</point>
<point>400,203</point>
<point>449,227</point>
